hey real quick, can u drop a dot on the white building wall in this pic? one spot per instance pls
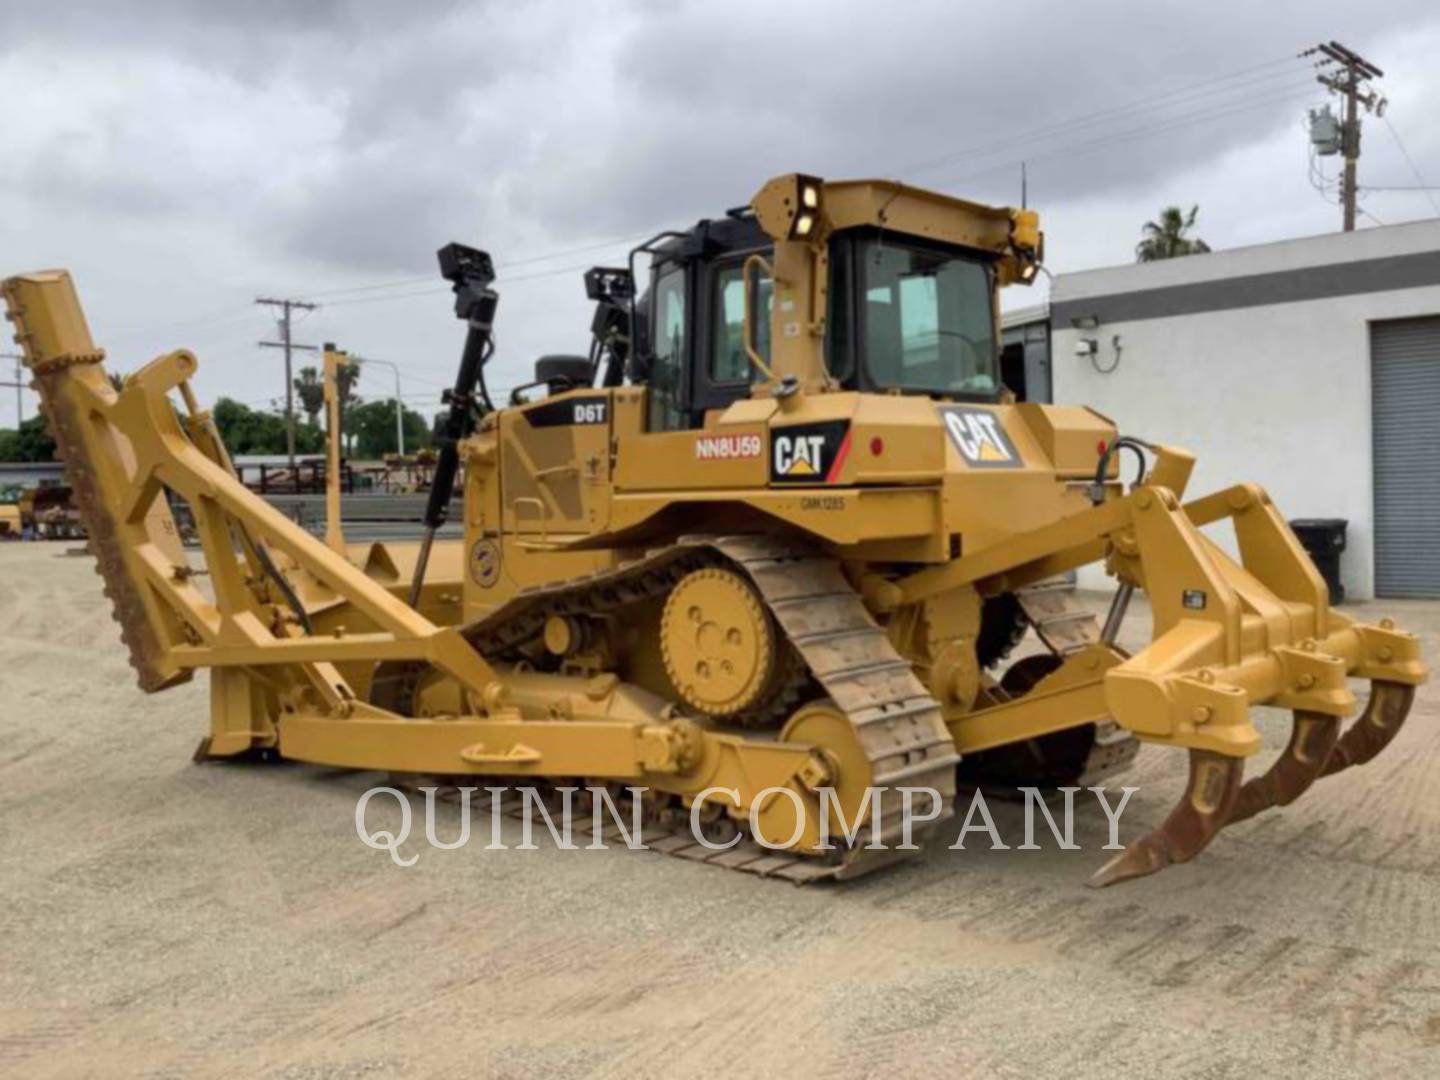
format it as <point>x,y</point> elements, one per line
<point>1278,395</point>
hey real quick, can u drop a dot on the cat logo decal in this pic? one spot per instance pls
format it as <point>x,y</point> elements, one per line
<point>981,440</point>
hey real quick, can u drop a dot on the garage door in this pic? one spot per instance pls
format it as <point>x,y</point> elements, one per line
<point>1405,370</point>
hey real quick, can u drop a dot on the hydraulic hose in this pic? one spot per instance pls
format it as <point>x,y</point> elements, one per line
<point>1122,442</point>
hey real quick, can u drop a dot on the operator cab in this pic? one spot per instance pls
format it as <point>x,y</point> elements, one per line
<point>906,316</point>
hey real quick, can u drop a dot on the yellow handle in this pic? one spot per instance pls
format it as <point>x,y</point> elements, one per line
<point>519,754</point>
<point>543,515</point>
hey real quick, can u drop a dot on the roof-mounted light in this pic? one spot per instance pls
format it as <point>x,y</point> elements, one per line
<point>808,200</point>
<point>792,207</point>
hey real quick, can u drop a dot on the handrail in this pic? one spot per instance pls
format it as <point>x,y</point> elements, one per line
<point>755,357</point>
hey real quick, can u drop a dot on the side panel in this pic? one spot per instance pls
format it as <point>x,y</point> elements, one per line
<point>555,464</point>
<point>720,455</point>
<point>999,476</point>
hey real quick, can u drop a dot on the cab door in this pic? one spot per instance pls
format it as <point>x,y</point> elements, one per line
<point>655,455</point>
<point>698,366</point>
<point>667,385</point>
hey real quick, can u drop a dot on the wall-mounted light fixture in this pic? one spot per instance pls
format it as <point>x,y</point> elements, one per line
<point>1094,354</point>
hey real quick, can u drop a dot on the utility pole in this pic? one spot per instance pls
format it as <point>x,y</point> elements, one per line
<point>1346,73</point>
<point>286,307</point>
<point>19,385</point>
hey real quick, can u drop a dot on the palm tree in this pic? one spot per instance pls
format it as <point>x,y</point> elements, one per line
<point>311,392</point>
<point>1166,239</point>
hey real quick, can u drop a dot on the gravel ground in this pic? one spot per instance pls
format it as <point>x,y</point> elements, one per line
<point>166,919</point>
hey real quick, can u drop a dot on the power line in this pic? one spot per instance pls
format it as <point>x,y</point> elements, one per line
<point>1211,111</point>
<point>528,260</point>
<point>223,317</point>
<point>1150,104</point>
<point>1415,169</point>
<point>1110,139</point>
<point>1241,79</point>
<point>1244,79</point>
<point>436,290</point>
<point>273,402</point>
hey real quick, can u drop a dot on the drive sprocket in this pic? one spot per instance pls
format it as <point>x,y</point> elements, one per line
<point>720,645</point>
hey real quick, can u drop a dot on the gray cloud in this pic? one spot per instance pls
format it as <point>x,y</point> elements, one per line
<point>185,156</point>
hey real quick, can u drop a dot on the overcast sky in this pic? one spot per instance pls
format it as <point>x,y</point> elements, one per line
<point>183,158</point>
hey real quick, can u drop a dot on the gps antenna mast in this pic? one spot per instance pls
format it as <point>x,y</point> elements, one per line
<point>470,273</point>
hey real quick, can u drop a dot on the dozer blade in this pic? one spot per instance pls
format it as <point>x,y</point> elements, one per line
<point>1381,721</point>
<point>1209,799</point>
<point>1312,738</point>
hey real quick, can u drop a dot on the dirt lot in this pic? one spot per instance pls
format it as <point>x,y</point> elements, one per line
<point>161,918</point>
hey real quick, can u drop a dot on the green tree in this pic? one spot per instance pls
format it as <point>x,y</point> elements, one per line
<point>33,442</point>
<point>346,376</point>
<point>9,444</point>
<point>1166,239</point>
<point>370,428</point>
<point>311,390</point>
<point>250,431</point>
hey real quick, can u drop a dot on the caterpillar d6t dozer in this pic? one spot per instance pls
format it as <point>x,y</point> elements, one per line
<point>762,552</point>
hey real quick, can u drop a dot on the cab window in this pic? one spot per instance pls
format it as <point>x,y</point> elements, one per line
<point>928,320</point>
<point>664,410</point>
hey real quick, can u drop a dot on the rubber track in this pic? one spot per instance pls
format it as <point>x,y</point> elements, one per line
<point>896,722</point>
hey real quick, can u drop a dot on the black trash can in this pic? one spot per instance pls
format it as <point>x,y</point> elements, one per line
<point>1324,540</point>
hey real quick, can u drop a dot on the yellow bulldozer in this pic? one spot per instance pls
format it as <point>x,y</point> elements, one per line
<point>764,553</point>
